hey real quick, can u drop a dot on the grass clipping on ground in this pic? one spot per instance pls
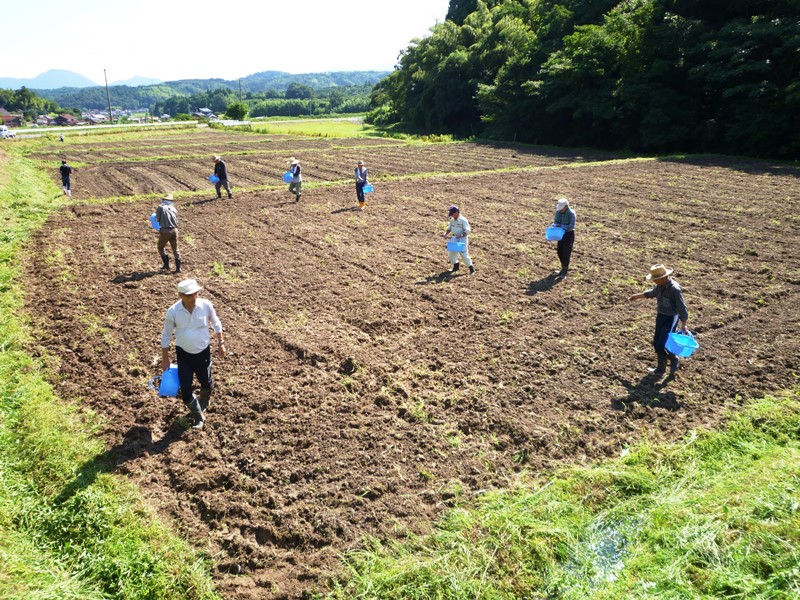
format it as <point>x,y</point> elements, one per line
<point>716,515</point>
<point>67,528</point>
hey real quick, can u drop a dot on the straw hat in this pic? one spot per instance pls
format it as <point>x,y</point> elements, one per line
<point>562,202</point>
<point>188,287</point>
<point>293,161</point>
<point>217,157</point>
<point>167,197</point>
<point>658,271</point>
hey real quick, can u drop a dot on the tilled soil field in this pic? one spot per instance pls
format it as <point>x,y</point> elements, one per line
<point>365,391</point>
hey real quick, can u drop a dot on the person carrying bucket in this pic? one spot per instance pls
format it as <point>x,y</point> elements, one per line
<point>221,171</point>
<point>361,181</point>
<point>565,219</point>
<point>189,319</point>
<point>296,185</point>
<point>459,231</point>
<point>167,218</point>
<point>671,311</point>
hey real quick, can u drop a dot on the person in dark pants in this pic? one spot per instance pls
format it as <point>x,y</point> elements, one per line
<point>189,319</point>
<point>296,185</point>
<point>361,181</point>
<point>221,171</point>
<point>565,218</point>
<point>671,312</point>
<point>167,217</point>
<point>65,171</point>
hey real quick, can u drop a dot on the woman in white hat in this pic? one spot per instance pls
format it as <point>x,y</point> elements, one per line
<point>296,186</point>
<point>565,219</point>
<point>361,181</point>
<point>671,312</point>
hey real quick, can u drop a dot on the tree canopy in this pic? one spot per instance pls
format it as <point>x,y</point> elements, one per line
<point>645,75</point>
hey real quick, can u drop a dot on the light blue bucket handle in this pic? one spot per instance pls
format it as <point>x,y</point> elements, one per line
<point>151,384</point>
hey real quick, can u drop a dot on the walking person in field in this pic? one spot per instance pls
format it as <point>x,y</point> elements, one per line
<point>459,231</point>
<point>565,219</point>
<point>221,171</point>
<point>671,311</point>
<point>361,181</point>
<point>189,320</point>
<point>296,186</point>
<point>65,171</point>
<point>167,217</point>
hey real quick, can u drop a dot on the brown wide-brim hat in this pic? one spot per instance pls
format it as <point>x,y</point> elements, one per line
<point>658,271</point>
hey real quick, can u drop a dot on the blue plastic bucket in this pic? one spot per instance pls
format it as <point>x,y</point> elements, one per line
<point>453,246</point>
<point>213,179</point>
<point>368,188</point>
<point>154,222</point>
<point>167,382</point>
<point>554,234</point>
<point>681,345</point>
<point>287,177</point>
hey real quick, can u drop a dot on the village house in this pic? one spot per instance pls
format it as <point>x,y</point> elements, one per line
<point>10,119</point>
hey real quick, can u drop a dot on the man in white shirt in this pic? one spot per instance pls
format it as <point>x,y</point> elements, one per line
<point>189,319</point>
<point>459,229</point>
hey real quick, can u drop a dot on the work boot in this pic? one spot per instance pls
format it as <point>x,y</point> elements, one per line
<point>230,196</point>
<point>662,365</point>
<point>204,398</point>
<point>674,363</point>
<point>165,260</point>
<point>199,420</point>
<point>177,265</point>
<point>455,267</point>
<point>471,270</point>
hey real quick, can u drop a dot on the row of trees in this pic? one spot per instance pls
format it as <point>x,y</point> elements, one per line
<point>27,102</point>
<point>645,75</point>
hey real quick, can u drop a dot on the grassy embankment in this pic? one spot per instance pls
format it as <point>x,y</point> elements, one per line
<point>716,515</point>
<point>68,528</point>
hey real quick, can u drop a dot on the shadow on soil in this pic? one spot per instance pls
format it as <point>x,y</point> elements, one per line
<point>139,275</point>
<point>543,285</point>
<point>345,209</point>
<point>649,392</point>
<point>442,277</point>
<point>137,441</point>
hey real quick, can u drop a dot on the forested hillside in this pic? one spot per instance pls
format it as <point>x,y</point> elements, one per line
<point>644,75</point>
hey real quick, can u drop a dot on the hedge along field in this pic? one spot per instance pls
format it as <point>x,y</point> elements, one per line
<point>68,528</point>
<point>366,392</point>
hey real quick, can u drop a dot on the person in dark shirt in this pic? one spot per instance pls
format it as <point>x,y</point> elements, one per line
<point>66,171</point>
<point>565,219</point>
<point>167,217</point>
<point>362,178</point>
<point>671,312</point>
<point>221,171</point>
<point>296,185</point>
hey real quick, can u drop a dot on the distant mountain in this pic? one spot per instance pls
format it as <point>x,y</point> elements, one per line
<point>130,97</point>
<point>49,80</point>
<point>138,81</point>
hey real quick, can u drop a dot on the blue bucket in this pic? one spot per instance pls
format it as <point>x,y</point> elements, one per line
<point>287,177</point>
<point>456,246</point>
<point>554,234</point>
<point>680,344</point>
<point>167,382</point>
<point>154,222</point>
<point>213,179</point>
<point>368,188</point>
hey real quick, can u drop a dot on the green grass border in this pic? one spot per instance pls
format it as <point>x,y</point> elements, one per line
<point>68,528</point>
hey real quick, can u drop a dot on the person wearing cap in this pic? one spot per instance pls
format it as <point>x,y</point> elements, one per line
<point>361,181</point>
<point>671,311</point>
<point>65,171</point>
<point>221,171</point>
<point>296,186</point>
<point>167,217</point>
<point>459,231</point>
<point>189,319</point>
<point>565,219</point>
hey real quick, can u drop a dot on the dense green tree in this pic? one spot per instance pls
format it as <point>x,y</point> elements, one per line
<point>299,90</point>
<point>237,110</point>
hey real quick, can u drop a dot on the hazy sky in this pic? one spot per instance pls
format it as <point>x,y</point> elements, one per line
<point>172,39</point>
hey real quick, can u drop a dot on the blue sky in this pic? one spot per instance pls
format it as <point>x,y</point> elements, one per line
<point>204,38</point>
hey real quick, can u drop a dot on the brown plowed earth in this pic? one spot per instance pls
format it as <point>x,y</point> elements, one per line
<point>257,168</point>
<point>364,392</point>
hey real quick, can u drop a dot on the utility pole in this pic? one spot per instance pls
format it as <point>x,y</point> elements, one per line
<point>108,97</point>
<point>240,89</point>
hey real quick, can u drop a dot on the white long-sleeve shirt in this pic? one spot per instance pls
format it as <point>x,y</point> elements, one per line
<point>459,227</point>
<point>190,328</point>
